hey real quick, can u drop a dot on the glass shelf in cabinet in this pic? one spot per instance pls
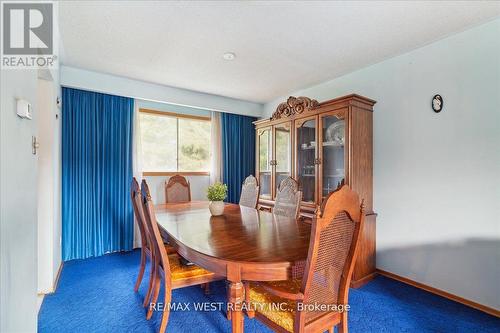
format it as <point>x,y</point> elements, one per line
<point>332,144</point>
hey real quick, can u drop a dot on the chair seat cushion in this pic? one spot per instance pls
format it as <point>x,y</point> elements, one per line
<point>170,249</point>
<point>179,271</point>
<point>262,301</point>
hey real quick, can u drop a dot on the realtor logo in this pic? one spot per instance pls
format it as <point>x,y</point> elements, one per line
<point>28,35</point>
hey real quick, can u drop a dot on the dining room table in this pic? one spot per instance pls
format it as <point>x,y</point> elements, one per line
<point>242,244</point>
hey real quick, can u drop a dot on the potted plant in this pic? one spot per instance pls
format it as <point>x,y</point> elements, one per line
<point>216,194</point>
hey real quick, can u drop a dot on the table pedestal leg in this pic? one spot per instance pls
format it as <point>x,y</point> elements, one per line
<point>236,301</point>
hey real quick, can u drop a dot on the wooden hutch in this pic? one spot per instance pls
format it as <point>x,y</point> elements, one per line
<point>321,145</point>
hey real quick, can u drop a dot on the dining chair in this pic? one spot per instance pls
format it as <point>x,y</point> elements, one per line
<point>175,274</point>
<point>288,197</point>
<point>177,189</point>
<point>146,252</point>
<point>135,193</point>
<point>249,192</point>
<point>332,253</point>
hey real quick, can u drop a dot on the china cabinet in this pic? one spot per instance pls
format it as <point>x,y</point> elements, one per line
<point>321,145</point>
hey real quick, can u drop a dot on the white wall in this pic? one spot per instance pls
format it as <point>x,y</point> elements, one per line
<point>18,202</point>
<point>436,176</point>
<point>57,177</point>
<point>49,184</point>
<point>45,185</point>
<point>18,205</point>
<point>111,84</point>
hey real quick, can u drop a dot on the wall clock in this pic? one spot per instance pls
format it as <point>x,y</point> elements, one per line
<point>437,103</point>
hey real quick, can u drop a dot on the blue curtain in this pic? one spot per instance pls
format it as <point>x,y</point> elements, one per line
<point>97,215</point>
<point>238,152</point>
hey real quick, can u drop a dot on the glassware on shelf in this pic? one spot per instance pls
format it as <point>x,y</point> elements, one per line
<point>308,170</point>
<point>306,154</point>
<point>282,153</point>
<point>332,144</point>
<point>333,152</point>
<point>265,161</point>
<point>335,133</point>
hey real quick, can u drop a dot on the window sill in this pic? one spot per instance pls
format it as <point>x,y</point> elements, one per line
<point>173,173</point>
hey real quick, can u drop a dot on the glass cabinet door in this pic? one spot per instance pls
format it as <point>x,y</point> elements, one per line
<point>332,153</point>
<point>264,146</point>
<point>306,157</point>
<point>282,152</point>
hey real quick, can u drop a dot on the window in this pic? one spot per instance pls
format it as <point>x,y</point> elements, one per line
<point>174,143</point>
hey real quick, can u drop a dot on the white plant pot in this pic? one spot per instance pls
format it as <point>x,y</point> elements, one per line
<point>216,207</point>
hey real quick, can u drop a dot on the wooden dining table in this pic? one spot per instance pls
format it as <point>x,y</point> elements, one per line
<point>242,244</point>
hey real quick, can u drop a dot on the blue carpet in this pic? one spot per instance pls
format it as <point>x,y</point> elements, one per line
<point>96,295</point>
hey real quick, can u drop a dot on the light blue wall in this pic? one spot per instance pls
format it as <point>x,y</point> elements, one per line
<point>121,86</point>
<point>436,176</point>
<point>18,203</point>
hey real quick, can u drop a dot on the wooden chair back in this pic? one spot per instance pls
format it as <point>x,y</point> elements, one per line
<point>288,197</point>
<point>135,195</point>
<point>332,252</point>
<point>158,248</point>
<point>177,189</point>
<point>249,192</point>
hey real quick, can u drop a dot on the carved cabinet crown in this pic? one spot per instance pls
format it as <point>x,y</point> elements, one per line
<point>293,106</point>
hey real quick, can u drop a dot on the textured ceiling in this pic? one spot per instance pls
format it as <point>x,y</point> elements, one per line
<point>280,46</point>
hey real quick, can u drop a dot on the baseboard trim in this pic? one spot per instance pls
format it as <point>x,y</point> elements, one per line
<point>56,281</point>
<point>442,293</point>
<point>364,280</point>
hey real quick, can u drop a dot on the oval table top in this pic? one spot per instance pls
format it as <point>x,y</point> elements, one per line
<point>241,234</point>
